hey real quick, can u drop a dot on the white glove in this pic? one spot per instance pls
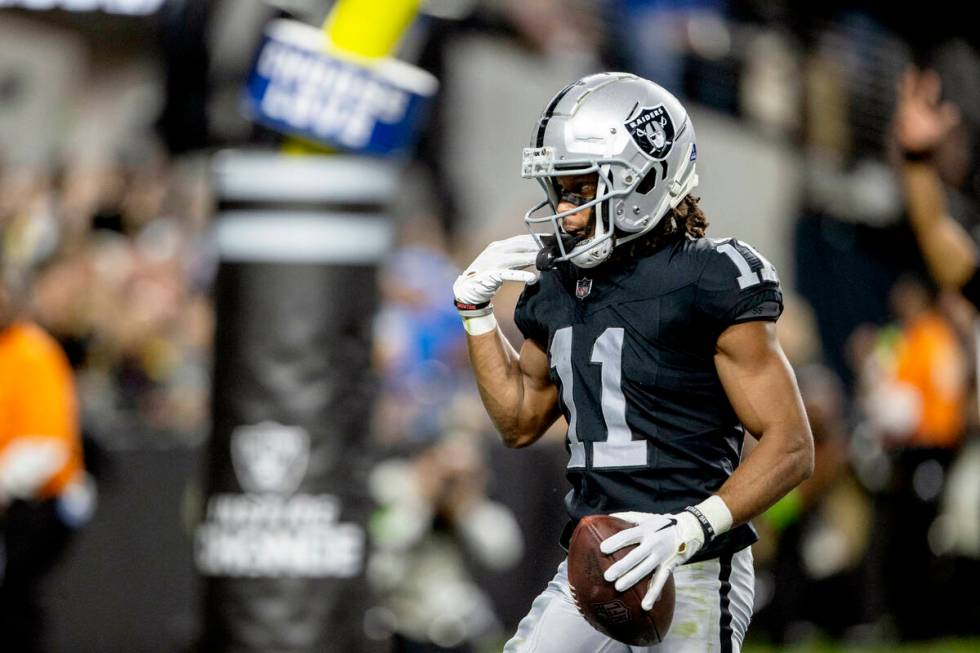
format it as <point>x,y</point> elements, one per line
<point>27,464</point>
<point>663,542</point>
<point>501,261</point>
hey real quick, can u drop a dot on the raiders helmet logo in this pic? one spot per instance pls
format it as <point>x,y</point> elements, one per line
<point>653,131</point>
<point>270,458</point>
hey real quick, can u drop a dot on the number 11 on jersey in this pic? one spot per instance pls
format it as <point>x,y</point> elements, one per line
<point>619,449</point>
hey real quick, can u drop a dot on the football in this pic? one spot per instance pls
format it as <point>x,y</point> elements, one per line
<point>616,614</point>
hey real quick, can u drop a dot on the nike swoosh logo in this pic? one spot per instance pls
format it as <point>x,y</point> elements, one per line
<point>672,522</point>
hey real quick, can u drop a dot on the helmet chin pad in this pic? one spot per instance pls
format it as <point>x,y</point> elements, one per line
<point>599,246</point>
<point>593,255</point>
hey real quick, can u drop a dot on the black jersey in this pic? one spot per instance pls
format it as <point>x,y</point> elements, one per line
<point>631,346</point>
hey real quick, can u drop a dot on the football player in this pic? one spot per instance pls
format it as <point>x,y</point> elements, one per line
<point>658,345</point>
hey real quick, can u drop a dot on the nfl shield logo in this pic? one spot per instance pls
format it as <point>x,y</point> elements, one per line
<point>613,612</point>
<point>583,288</point>
<point>653,131</point>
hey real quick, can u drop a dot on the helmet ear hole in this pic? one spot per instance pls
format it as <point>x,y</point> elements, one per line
<point>649,182</point>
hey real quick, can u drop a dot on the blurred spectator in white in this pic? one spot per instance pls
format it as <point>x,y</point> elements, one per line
<point>851,244</point>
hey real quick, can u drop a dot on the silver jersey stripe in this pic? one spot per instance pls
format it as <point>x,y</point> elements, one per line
<point>294,237</point>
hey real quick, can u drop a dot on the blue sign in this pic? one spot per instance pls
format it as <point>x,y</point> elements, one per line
<point>299,88</point>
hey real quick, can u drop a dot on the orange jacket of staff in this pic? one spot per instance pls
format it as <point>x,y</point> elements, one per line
<point>931,360</point>
<point>37,398</point>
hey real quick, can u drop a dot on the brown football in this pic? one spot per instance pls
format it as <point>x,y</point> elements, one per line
<point>616,614</point>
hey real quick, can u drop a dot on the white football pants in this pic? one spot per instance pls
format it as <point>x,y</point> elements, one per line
<point>711,613</point>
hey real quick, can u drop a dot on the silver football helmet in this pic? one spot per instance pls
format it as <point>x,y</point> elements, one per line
<point>640,141</point>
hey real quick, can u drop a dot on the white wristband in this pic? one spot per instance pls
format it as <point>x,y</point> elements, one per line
<point>718,514</point>
<point>477,326</point>
<point>714,516</point>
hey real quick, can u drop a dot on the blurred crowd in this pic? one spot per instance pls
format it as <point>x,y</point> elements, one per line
<point>120,266</point>
<point>119,269</point>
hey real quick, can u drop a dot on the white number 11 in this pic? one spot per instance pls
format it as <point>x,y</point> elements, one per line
<point>619,449</point>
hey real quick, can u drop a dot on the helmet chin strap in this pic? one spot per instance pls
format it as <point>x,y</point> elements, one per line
<point>684,181</point>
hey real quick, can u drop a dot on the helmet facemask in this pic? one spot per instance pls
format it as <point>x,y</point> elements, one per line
<point>548,228</point>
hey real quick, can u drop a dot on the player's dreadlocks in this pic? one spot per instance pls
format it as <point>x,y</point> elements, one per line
<point>687,218</point>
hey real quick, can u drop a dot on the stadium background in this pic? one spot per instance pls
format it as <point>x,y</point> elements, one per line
<point>111,114</point>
